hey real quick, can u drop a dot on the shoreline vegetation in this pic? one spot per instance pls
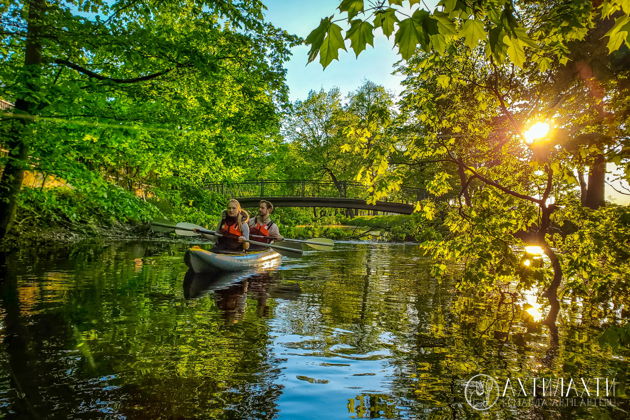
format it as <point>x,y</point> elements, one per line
<point>64,215</point>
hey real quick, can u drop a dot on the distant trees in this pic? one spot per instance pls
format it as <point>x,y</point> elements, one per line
<point>326,126</point>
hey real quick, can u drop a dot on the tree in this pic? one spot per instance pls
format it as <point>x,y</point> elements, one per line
<point>314,127</point>
<point>466,107</point>
<point>500,27</point>
<point>325,125</point>
<point>184,75</point>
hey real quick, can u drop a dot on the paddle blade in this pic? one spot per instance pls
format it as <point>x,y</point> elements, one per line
<point>319,244</point>
<point>288,244</point>
<point>185,229</point>
<point>162,226</point>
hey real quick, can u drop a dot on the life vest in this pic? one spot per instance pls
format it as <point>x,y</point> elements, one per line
<point>232,233</point>
<point>261,229</point>
<point>227,229</point>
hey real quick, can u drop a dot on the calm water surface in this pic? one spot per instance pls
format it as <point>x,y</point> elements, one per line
<point>122,330</point>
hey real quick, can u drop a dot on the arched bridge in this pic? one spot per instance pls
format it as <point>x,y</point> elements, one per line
<point>344,194</point>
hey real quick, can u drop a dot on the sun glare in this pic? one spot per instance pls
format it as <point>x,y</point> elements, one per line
<point>534,308</point>
<point>536,132</point>
<point>534,250</point>
<point>535,313</point>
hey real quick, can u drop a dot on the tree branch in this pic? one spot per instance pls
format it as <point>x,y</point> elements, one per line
<point>549,183</point>
<point>111,79</point>
<point>620,192</point>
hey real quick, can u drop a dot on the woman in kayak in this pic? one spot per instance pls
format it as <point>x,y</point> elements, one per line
<point>233,227</point>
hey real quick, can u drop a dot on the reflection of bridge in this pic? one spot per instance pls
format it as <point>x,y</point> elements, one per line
<point>348,195</point>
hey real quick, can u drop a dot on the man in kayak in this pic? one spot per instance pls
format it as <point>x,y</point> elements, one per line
<point>233,227</point>
<point>261,227</point>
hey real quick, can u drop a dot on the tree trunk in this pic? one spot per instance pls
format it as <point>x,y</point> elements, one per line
<point>552,291</point>
<point>596,183</point>
<point>583,186</point>
<point>17,143</point>
<point>464,181</point>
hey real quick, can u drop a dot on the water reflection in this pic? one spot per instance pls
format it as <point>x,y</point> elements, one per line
<point>125,331</point>
<point>230,291</point>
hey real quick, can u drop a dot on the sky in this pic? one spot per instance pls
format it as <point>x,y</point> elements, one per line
<point>348,73</point>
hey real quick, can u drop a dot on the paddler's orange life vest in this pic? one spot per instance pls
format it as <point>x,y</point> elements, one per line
<point>262,230</point>
<point>230,240</point>
<point>234,229</point>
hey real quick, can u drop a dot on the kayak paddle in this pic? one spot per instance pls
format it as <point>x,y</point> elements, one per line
<point>319,244</point>
<point>188,229</point>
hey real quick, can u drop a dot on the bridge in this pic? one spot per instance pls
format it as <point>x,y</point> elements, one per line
<point>303,193</point>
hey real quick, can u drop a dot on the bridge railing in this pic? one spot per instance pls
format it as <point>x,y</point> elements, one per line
<point>306,188</point>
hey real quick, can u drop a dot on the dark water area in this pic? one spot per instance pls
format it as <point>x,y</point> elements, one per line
<point>123,330</point>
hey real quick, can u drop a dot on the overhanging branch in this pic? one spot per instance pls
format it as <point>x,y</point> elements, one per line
<point>94,75</point>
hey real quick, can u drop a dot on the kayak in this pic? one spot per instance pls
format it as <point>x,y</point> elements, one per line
<point>202,261</point>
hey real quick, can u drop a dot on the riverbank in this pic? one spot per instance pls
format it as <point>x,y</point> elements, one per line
<point>69,216</point>
<point>368,228</point>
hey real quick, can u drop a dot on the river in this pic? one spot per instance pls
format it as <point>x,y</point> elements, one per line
<point>122,330</point>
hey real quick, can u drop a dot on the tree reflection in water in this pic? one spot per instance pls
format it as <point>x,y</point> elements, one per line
<point>122,330</point>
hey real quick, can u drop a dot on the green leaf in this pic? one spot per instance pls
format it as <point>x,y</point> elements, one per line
<point>396,2</point>
<point>353,7</point>
<point>438,43</point>
<point>618,34</point>
<point>515,50</point>
<point>508,19</point>
<point>429,27</point>
<point>521,34</point>
<point>360,34</point>
<point>544,64</point>
<point>408,36</point>
<point>329,50</point>
<point>473,32</point>
<point>443,80</point>
<point>444,23</point>
<point>497,46</point>
<point>385,19</point>
<point>449,5</point>
<point>317,36</point>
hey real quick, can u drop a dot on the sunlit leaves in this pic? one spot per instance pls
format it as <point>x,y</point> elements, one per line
<point>360,34</point>
<point>443,80</point>
<point>473,32</point>
<point>325,40</point>
<point>385,19</point>
<point>216,98</point>
<point>416,30</point>
<point>440,184</point>
<point>352,7</point>
<point>619,34</point>
<point>487,24</point>
<point>408,36</point>
<point>515,50</point>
